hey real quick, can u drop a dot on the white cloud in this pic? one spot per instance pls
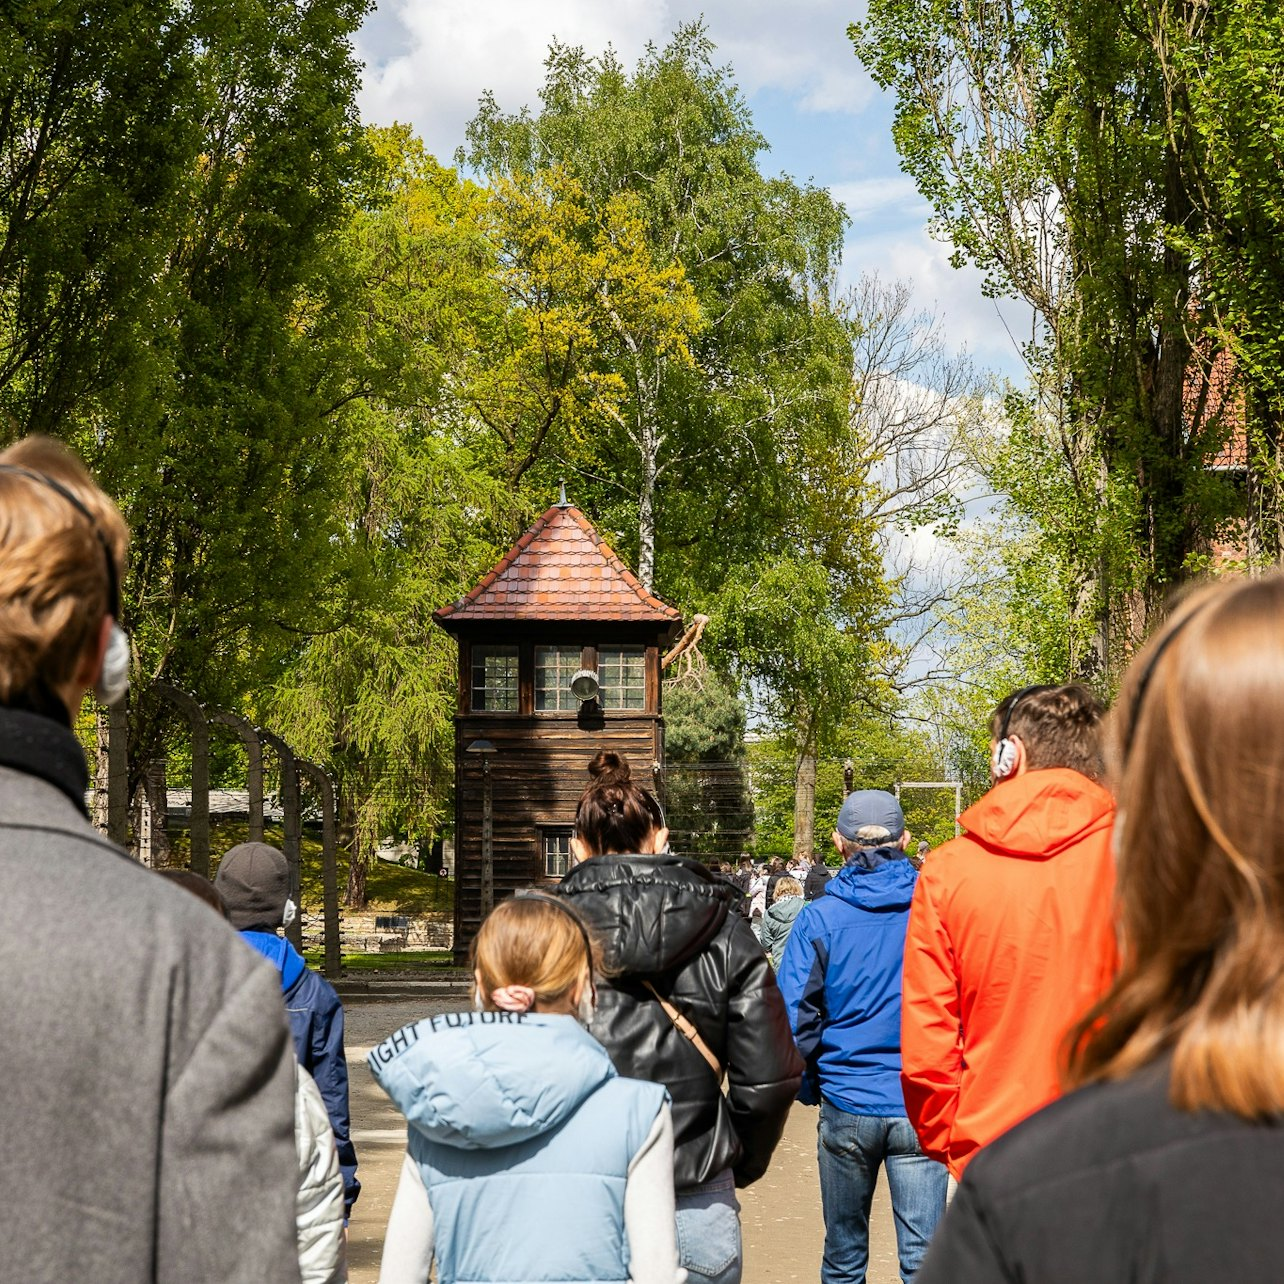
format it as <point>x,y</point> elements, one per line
<point>890,194</point>
<point>428,61</point>
<point>993,330</point>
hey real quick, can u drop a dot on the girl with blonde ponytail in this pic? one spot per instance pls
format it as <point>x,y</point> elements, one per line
<point>528,1157</point>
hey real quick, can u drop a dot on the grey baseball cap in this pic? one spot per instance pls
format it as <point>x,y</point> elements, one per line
<point>871,816</point>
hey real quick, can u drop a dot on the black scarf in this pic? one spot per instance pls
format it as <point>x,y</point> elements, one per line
<point>40,746</point>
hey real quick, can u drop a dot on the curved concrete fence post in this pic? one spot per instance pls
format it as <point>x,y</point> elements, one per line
<point>118,773</point>
<point>293,824</point>
<point>254,767</point>
<point>194,711</point>
<point>330,869</point>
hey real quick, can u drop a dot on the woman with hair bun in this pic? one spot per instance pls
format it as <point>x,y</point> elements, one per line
<point>687,998</point>
<point>1167,1162</point>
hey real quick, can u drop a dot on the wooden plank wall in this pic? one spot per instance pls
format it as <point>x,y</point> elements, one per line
<point>538,772</point>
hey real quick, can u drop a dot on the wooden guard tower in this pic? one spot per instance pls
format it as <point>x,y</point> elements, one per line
<point>558,609</point>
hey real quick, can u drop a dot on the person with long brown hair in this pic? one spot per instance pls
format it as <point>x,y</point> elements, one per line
<point>1167,1161</point>
<point>687,998</point>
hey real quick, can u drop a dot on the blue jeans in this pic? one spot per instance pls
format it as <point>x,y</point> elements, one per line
<point>709,1231</point>
<point>850,1149</point>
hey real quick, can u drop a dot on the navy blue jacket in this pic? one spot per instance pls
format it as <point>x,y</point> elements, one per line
<point>841,980</point>
<point>316,1022</point>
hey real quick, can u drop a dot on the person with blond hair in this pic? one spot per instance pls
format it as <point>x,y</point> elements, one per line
<point>528,1157</point>
<point>1165,1161</point>
<point>148,1113</point>
<point>786,902</point>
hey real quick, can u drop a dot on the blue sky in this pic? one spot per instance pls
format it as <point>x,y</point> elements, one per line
<point>428,61</point>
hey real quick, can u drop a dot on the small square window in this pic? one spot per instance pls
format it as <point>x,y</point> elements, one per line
<point>557,852</point>
<point>494,681</point>
<point>622,674</point>
<point>555,666</point>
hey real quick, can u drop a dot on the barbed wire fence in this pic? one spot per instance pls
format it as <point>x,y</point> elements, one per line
<point>720,811</point>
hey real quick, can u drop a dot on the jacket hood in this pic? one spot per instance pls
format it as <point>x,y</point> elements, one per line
<point>889,886</point>
<point>652,913</point>
<point>1040,813</point>
<point>785,909</point>
<point>280,953</point>
<point>482,1080</point>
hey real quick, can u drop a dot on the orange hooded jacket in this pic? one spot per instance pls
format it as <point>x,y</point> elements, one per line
<point>1011,937</point>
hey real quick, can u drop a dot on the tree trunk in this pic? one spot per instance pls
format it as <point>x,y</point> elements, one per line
<point>355,896</point>
<point>650,439</point>
<point>646,524</point>
<point>805,805</point>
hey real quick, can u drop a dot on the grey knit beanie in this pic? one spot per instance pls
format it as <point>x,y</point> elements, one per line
<point>254,882</point>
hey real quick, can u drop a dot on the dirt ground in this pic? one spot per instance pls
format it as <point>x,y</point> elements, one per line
<point>783,1230</point>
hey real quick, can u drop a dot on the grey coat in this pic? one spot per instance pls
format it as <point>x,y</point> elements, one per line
<point>146,1071</point>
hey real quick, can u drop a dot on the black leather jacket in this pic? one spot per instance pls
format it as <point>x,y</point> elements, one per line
<point>667,920</point>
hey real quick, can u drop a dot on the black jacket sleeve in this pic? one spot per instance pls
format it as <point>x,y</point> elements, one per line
<point>964,1249</point>
<point>764,1069</point>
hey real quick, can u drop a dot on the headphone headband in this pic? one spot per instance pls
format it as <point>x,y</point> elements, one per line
<point>1016,700</point>
<point>51,483</point>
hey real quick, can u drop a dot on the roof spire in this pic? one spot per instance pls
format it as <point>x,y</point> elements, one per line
<point>563,502</point>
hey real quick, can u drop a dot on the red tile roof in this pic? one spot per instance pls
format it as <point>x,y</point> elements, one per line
<point>561,569</point>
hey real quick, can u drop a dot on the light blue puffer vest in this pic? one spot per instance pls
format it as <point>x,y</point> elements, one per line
<point>524,1134</point>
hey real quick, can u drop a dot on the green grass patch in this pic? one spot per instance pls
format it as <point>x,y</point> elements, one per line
<point>390,889</point>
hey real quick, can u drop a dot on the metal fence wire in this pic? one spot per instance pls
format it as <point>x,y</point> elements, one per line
<point>722,810</point>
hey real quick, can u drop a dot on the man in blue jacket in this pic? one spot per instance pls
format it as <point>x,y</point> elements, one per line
<point>841,981</point>
<point>254,881</point>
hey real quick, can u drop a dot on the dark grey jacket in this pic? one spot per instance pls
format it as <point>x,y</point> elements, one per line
<point>146,1072</point>
<point>1114,1185</point>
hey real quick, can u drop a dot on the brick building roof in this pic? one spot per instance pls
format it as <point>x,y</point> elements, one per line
<point>561,569</point>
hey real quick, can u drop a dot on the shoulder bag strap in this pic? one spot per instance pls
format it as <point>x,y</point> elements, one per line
<point>684,1027</point>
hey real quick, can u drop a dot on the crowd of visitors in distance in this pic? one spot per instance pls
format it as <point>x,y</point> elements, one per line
<point>1075,1011</point>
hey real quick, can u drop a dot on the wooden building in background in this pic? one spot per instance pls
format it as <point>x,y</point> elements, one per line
<point>560,606</point>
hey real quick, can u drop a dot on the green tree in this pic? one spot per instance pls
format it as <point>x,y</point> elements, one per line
<point>744,438</point>
<point>93,183</point>
<point>373,695</point>
<point>1223,66</point>
<point>676,136</point>
<point>706,796</point>
<point>574,281</point>
<point>1058,159</point>
<point>171,301</point>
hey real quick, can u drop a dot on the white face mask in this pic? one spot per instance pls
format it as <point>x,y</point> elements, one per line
<point>588,1006</point>
<point>113,678</point>
<point>290,913</point>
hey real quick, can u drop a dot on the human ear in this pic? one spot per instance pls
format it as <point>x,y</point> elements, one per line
<point>579,853</point>
<point>837,839</point>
